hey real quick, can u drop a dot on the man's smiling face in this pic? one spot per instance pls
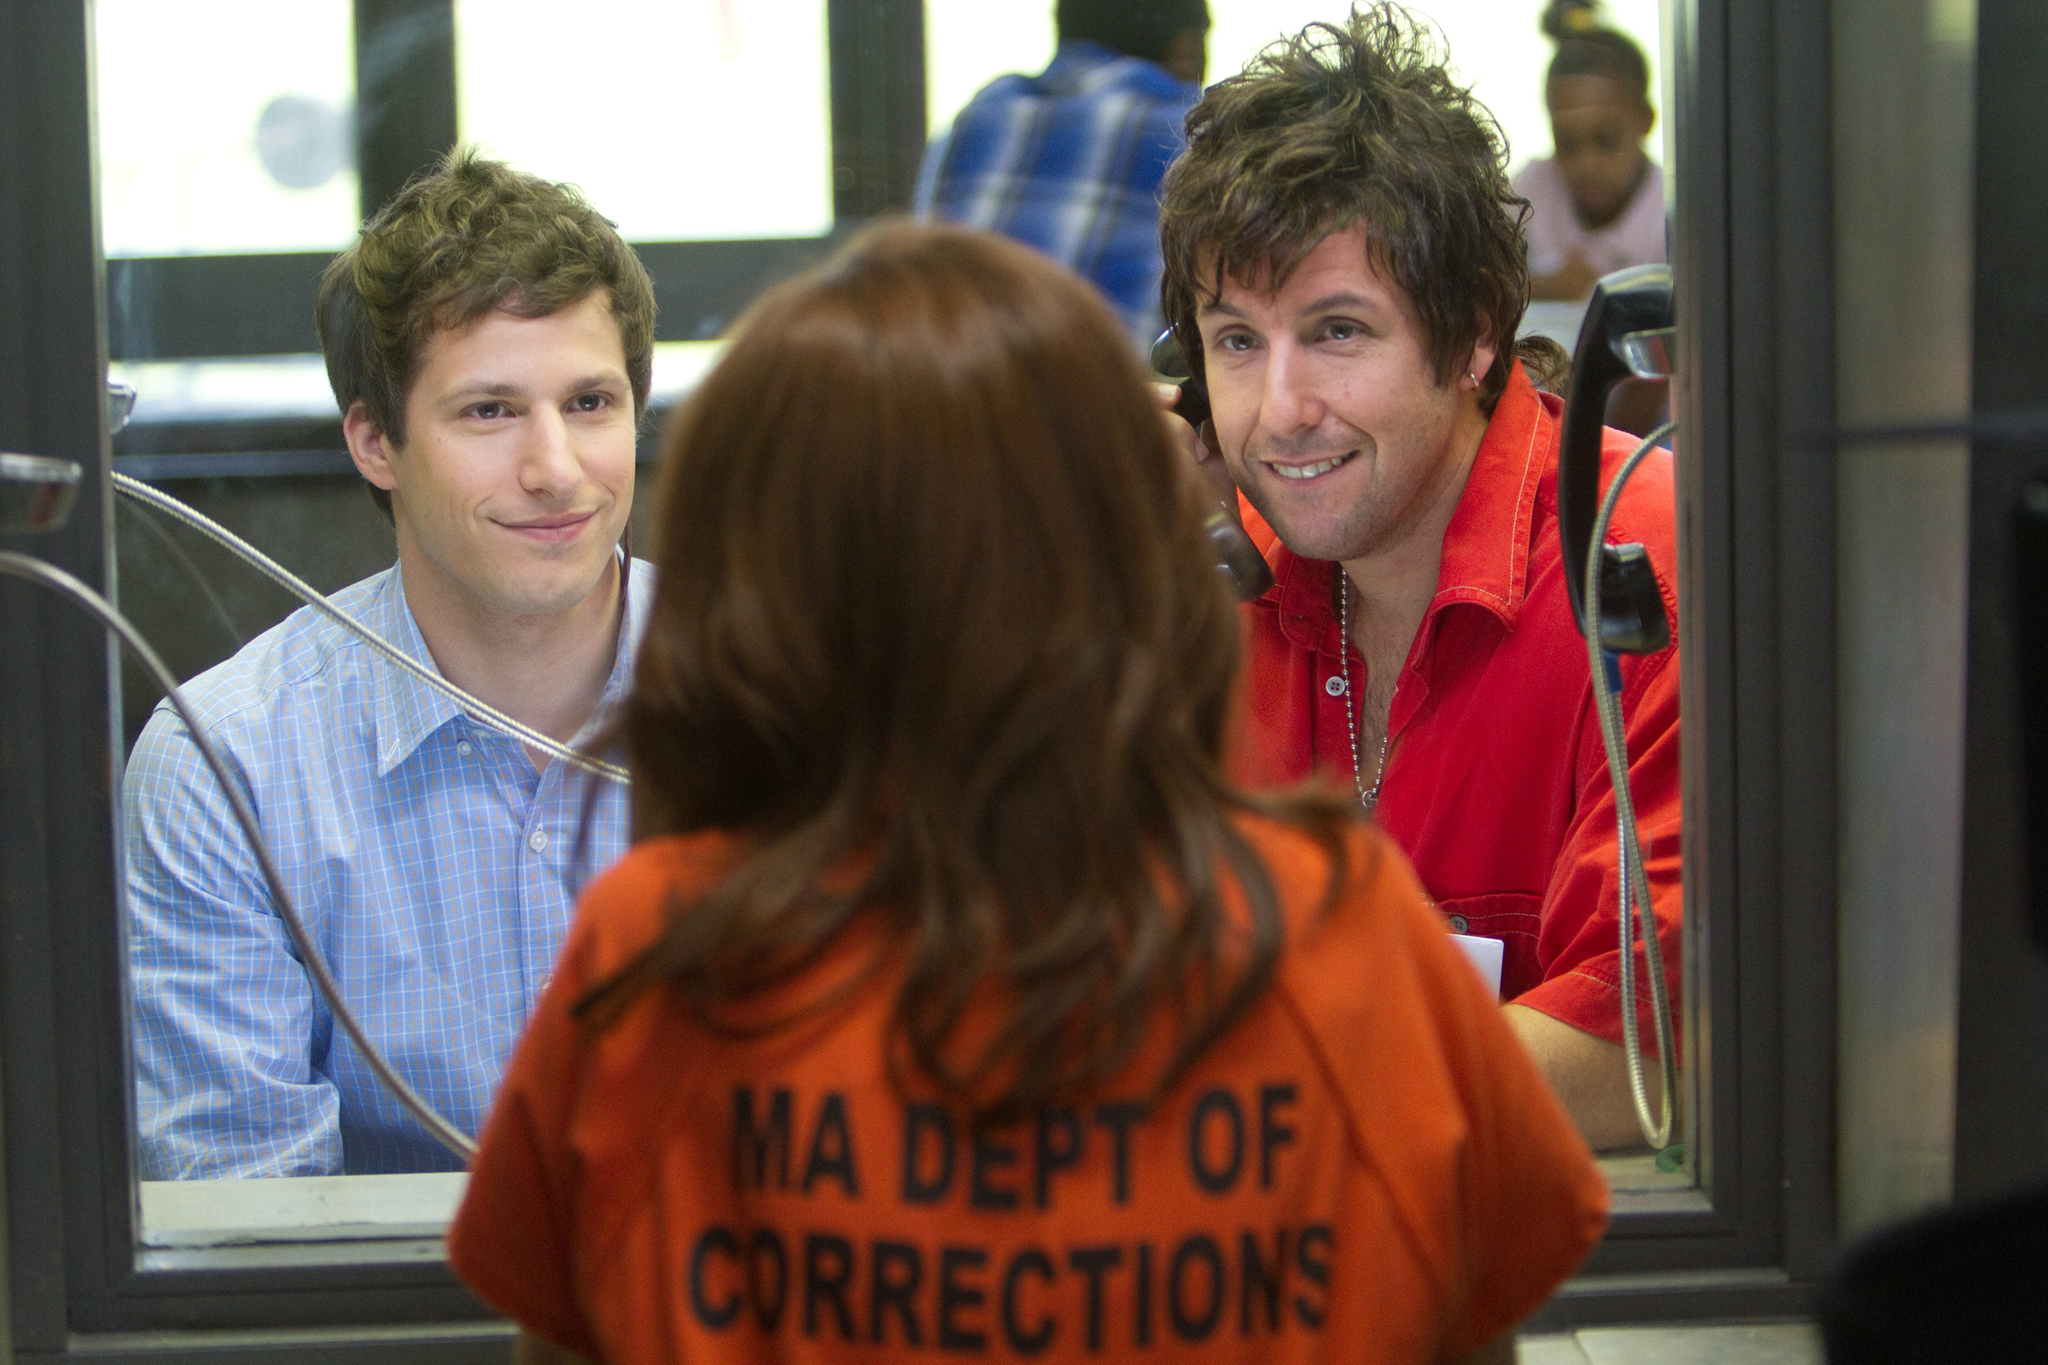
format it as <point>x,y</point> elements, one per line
<point>1327,411</point>
<point>516,475</point>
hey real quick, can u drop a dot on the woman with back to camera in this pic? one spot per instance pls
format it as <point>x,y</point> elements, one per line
<point>953,1001</point>
<point>1597,203</point>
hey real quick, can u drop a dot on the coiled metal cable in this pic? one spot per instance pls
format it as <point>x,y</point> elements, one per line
<point>307,593</point>
<point>48,575</point>
<point>1635,881</point>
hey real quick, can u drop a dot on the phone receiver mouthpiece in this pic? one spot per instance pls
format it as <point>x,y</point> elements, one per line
<point>1237,559</point>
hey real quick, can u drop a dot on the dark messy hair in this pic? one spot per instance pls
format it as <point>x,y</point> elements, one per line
<point>1139,28</point>
<point>936,604</point>
<point>1355,123</point>
<point>1587,47</point>
<point>470,237</point>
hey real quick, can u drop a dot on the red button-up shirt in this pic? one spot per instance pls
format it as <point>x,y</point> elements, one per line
<point>1496,784</point>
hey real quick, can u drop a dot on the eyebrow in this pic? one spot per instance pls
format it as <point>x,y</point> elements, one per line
<point>499,389</point>
<point>1341,299</point>
<point>602,379</point>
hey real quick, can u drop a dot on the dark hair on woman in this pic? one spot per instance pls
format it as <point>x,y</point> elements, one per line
<point>1342,124</point>
<point>936,605</point>
<point>1587,47</point>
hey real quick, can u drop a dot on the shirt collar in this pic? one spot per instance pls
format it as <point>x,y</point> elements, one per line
<point>406,710</point>
<point>1076,55</point>
<point>1084,64</point>
<point>1486,546</point>
<point>632,626</point>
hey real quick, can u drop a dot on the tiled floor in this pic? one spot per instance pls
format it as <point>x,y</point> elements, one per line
<point>1766,1344</point>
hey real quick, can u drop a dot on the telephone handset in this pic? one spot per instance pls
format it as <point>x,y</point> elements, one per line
<point>1236,557</point>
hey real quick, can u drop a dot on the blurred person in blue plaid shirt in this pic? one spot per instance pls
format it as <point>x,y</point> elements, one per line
<point>489,338</point>
<point>1070,160</point>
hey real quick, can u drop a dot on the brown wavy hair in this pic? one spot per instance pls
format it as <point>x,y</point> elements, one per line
<point>1356,122</point>
<point>469,237</point>
<point>936,603</point>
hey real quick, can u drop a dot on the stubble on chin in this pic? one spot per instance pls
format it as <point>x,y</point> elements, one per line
<point>1351,534</point>
<point>1338,533</point>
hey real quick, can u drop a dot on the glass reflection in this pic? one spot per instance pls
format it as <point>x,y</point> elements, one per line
<point>675,86</point>
<point>1384,675</point>
<point>433,857</point>
<point>313,514</point>
<point>257,156</point>
<point>1498,48</point>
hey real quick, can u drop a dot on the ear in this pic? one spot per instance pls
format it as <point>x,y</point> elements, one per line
<point>1484,353</point>
<point>369,447</point>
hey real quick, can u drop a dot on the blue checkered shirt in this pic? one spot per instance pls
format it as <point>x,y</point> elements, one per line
<point>434,866</point>
<point>1070,162</point>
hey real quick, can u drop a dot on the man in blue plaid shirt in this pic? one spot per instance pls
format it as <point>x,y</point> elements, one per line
<point>489,339</point>
<point>1069,161</point>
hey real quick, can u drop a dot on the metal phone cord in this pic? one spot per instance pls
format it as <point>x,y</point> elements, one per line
<point>1635,882</point>
<point>34,570</point>
<point>277,573</point>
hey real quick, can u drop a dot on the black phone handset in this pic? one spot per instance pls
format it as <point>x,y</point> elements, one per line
<point>1619,608</point>
<point>1627,332</point>
<point>1236,557</point>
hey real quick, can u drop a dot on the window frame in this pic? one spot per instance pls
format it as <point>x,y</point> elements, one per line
<point>179,307</point>
<point>1753,265</point>
<point>2001,1113</point>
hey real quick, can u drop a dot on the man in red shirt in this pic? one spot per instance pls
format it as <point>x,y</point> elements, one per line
<point>1345,268</point>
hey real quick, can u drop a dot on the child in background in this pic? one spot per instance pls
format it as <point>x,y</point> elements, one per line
<point>1597,204</point>
<point>953,999</point>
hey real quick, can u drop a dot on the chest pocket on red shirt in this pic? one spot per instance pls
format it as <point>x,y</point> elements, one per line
<point>1511,917</point>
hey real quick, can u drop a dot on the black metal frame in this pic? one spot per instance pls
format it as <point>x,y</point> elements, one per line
<point>2002,1016</point>
<point>1753,267</point>
<point>1752,264</point>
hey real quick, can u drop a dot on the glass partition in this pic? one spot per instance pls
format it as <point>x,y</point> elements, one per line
<point>676,141</point>
<point>655,145</point>
<point>1498,48</point>
<point>256,154</point>
<point>967,45</point>
<point>1754,236</point>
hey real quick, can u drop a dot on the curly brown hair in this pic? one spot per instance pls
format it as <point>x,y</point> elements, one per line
<point>471,236</point>
<point>1359,122</point>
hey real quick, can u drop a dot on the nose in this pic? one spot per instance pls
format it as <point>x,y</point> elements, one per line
<point>1290,403</point>
<point>548,464</point>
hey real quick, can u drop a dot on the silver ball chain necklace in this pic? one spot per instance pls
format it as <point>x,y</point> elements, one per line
<point>1368,799</point>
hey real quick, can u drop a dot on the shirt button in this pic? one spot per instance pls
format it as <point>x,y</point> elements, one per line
<point>538,841</point>
<point>1335,686</point>
<point>462,747</point>
<point>1459,924</point>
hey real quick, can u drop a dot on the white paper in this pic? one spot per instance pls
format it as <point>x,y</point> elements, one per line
<point>1485,955</point>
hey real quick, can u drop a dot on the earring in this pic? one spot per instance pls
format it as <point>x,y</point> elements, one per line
<point>1472,379</point>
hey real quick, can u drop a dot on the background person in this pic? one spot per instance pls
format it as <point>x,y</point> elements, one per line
<point>1069,161</point>
<point>955,1001</point>
<point>489,338</point>
<point>1596,204</point>
<point>1344,264</point>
